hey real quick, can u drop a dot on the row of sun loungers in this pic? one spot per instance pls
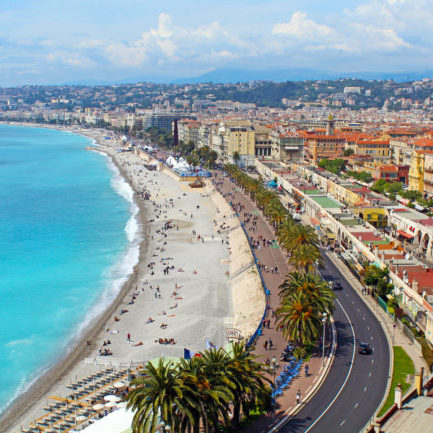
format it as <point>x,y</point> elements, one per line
<point>76,410</point>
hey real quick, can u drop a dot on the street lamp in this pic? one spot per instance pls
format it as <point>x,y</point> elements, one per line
<point>274,367</point>
<point>324,316</point>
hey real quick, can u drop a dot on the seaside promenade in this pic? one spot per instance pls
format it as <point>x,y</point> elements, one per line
<point>270,256</point>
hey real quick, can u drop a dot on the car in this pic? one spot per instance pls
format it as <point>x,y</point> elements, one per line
<point>337,285</point>
<point>364,348</point>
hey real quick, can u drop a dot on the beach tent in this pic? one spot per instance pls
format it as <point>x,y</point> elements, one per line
<point>118,421</point>
<point>170,161</point>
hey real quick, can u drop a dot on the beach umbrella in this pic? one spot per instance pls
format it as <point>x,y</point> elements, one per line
<point>80,418</point>
<point>112,398</point>
<point>98,406</point>
<point>119,384</point>
<point>121,404</point>
<point>111,404</point>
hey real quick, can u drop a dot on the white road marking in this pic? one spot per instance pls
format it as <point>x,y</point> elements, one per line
<point>347,376</point>
<point>369,374</point>
<point>356,405</point>
<point>372,361</point>
<point>365,389</point>
<point>369,329</point>
<point>342,422</point>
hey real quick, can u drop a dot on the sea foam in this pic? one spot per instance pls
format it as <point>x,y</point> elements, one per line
<point>119,273</point>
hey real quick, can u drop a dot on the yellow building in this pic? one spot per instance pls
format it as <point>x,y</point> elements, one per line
<point>416,171</point>
<point>377,217</point>
<point>377,149</point>
<point>241,140</point>
<point>344,193</point>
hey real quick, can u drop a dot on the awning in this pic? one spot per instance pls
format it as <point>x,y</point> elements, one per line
<point>404,234</point>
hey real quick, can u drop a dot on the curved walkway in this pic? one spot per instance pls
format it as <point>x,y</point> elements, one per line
<point>271,256</point>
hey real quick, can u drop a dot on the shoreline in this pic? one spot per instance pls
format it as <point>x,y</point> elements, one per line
<point>78,352</point>
<point>243,310</point>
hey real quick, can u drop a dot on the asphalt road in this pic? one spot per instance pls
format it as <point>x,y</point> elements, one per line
<point>356,383</point>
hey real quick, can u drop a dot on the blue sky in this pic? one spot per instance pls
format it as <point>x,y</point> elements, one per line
<point>55,41</point>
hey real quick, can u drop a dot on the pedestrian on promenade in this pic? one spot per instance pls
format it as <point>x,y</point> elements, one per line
<point>306,370</point>
<point>298,396</point>
<point>266,345</point>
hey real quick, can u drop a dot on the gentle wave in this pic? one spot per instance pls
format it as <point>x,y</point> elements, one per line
<point>119,273</point>
<point>115,277</point>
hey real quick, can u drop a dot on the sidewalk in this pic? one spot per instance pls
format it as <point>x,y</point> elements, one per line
<point>271,256</point>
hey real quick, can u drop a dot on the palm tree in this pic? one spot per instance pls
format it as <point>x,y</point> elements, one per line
<point>208,395</point>
<point>236,158</point>
<point>298,235</point>
<point>299,318</point>
<point>264,197</point>
<point>276,212</point>
<point>305,257</point>
<point>284,227</point>
<point>247,375</point>
<point>312,286</point>
<point>158,392</point>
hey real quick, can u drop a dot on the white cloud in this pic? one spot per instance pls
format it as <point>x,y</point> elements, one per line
<point>169,43</point>
<point>70,59</point>
<point>302,28</point>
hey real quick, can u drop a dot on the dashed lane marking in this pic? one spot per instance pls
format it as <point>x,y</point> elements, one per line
<point>356,405</point>
<point>369,374</point>
<point>342,422</point>
<point>365,389</point>
<point>347,376</point>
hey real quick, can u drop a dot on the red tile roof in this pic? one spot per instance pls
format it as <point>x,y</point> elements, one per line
<point>366,236</point>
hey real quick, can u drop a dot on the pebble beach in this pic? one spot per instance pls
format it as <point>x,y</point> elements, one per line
<point>195,278</point>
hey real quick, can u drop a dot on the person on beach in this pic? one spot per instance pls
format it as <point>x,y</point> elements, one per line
<point>128,338</point>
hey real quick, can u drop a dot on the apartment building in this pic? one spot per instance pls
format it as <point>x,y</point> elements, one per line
<point>240,140</point>
<point>263,142</point>
<point>287,146</point>
<point>377,149</point>
<point>416,171</point>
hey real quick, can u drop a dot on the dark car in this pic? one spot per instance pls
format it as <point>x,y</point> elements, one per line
<point>337,285</point>
<point>364,348</point>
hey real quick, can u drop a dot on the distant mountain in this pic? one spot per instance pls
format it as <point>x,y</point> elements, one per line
<point>232,75</point>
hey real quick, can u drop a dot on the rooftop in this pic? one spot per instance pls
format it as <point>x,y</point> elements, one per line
<point>326,202</point>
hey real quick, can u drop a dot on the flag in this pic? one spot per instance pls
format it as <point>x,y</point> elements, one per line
<point>186,353</point>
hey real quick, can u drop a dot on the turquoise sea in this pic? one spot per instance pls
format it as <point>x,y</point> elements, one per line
<point>68,241</point>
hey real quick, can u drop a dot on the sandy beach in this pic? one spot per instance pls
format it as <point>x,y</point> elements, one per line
<point>194,279</point>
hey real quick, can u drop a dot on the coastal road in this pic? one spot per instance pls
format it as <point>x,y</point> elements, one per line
<point>356,383</point>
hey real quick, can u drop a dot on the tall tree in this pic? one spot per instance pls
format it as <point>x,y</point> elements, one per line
<point>299,318</point>
<point>157,393</point>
